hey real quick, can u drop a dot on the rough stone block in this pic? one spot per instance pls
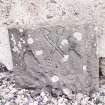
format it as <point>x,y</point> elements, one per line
<point>61,56</point>
<point>5,50</point>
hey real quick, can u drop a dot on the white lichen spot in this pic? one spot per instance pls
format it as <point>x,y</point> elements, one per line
<point>39,52</point>
<point>65,58</point>
<point>22,40</point>
<point>92,35</point>
<point>19,45</point>
<point>30,41</point>
<point>78,36</point>
<point>84,67</point>
<point>29,35</point>
<point>64,42</point>
<point>55,78</point>
<point>95,28</point>
<point>60,46</point>
<point>15,49</point>
<point>95,44</point>
<point>24,49</point>
<point>20,30</point>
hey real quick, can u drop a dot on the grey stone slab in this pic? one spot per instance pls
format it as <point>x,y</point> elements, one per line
<point>5,59</point>
<point>57,56</point>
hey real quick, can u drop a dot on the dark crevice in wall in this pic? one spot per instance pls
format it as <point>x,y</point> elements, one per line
<point>102,71</point>
<point>3,68</point>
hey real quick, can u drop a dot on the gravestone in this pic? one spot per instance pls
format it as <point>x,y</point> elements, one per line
<point>57,56</point>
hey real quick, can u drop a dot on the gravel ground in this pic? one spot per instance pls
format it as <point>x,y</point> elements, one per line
<point>9,95</point>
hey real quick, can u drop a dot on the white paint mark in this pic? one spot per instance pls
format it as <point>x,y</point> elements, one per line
<point>66,57</point>
<point>64,42</point>
<point>39,52</point>
<point>84,67</point>
<point>30,40</point>
<point>78,36</point>
<point>55,78</point>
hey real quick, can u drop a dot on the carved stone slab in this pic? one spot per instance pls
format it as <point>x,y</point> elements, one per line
<point>57,56</point>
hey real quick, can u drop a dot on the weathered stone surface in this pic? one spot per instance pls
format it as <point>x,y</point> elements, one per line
<point>5,51</point>
<point>58,56</point>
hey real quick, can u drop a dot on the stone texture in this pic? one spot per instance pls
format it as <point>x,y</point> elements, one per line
<point>73,65</point>
<point>34,12</point>
<point>5,50</point>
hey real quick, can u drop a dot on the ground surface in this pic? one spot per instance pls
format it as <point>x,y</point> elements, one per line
<point>9,95</point>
